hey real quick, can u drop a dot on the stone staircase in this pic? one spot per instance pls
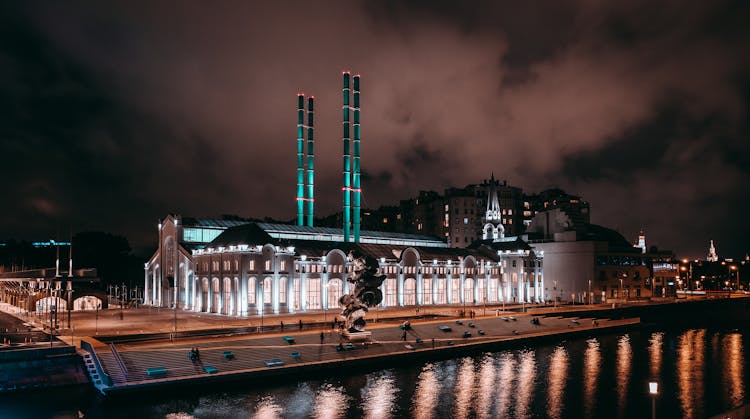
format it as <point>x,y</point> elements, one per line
<point>88,361</point>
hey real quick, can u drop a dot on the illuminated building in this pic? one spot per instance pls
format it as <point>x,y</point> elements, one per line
<point>240,267</point>
<point>252,267</point>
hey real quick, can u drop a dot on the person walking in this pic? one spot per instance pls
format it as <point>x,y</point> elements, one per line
<point>282,325</point>
<point>322,336</point>
<point>403,336</point>
<point>300,324</point>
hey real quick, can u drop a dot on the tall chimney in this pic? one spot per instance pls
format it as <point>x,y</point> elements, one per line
<point>346,187</point>
<point>310,162</point>
<point>300,159</point>
<point>355,168</point>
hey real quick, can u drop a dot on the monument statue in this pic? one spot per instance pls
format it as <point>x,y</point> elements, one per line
<point>365,281</point>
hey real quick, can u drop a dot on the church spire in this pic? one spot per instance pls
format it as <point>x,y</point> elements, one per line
<point>493,205</point>
<point>493,228</point>
<point>641,242</point>
<point>712,256</point>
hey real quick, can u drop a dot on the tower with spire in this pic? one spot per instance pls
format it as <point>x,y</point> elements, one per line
<point>641,242</point>
<point>493,228</point>
<point>712,256</point>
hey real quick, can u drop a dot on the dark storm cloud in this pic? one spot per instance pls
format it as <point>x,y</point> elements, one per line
<point>128,111</point>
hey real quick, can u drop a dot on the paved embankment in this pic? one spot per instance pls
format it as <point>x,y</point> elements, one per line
<point>126,366</point>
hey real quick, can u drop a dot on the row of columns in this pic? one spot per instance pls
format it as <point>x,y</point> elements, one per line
<point>529,288</point>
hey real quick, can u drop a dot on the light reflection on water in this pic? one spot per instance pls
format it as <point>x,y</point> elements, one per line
<point>268,408</point>
<point>591,363</point>
<point>505,382</point>
<point>700,373</point>
<point>624,362</point>
<point>485,387</point>
<point>690,366</point>
<point>330,402</point>
<point>733,376</point>
<point>426,395</point>
<point>464,389</point>
<point>558,372</point>
<point>378,396</point>
<point>655,354</point>
<point>526,377</point>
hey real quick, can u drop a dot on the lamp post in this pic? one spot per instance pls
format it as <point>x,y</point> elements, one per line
<point>554,294</point>
<point>621,288</point>
<point>653,390</point>
<point>733,268</point>
<point>589,292</point>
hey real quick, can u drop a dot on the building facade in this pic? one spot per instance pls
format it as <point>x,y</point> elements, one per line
<point>252,268</point>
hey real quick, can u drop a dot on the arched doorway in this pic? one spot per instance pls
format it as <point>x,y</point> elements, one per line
<point>87,302</point>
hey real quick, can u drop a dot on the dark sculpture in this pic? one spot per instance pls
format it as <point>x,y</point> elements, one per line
<point>366,293</point>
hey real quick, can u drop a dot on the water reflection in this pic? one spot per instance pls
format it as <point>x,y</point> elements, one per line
<point>505,384</point>
<point>464,389</point>
<point>656,342</point>
<point>526,378</point>
<point>330,402</point>
<point>558,372</point>
<point>591,362</point>
<point>268,408</point>
<point>690,366</point>
<point>485,387</point>
<point>378,396</point>
<point>624,360</point>
<point>732,371</point>
<point>426,394</point>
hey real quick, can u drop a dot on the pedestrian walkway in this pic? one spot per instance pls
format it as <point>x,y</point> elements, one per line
<point>154,363</point>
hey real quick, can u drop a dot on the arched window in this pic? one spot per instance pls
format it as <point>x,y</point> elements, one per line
<point>492,297</point>
<point>267,290</point>
<point>335,290</point>
<point>313,294</point>
<point>282,291</point>
<point>251,290</point>
<point>390,292</point>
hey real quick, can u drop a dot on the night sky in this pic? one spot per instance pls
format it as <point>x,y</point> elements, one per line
<point>113,114</point>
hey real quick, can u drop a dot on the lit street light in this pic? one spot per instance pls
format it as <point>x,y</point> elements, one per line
<point>653,390</point>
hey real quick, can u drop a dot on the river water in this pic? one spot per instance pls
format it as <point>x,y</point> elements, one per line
<point>701,372</point>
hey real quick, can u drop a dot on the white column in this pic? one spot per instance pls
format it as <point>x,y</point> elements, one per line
<point>243,292</point>
<point>400,287</point>
<point>303,293</point>
<point>419,286</point>
<point>324,291</point>
<point>146,297</point>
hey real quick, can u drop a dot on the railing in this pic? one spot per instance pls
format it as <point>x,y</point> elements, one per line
<point>106,379</point>
<point>119,361</point>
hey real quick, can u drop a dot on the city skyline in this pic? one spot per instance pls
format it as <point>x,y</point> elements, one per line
<point>115,114</point>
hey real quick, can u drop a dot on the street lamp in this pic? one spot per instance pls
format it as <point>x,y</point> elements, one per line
<point>589,292</point>
<point>734,268</point>
<point>653,390</point>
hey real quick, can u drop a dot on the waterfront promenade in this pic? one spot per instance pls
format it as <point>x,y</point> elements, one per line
<point>133,365</point>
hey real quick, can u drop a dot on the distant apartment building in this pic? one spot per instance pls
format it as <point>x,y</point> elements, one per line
<point>457,215</point>
<point>576,209</point>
